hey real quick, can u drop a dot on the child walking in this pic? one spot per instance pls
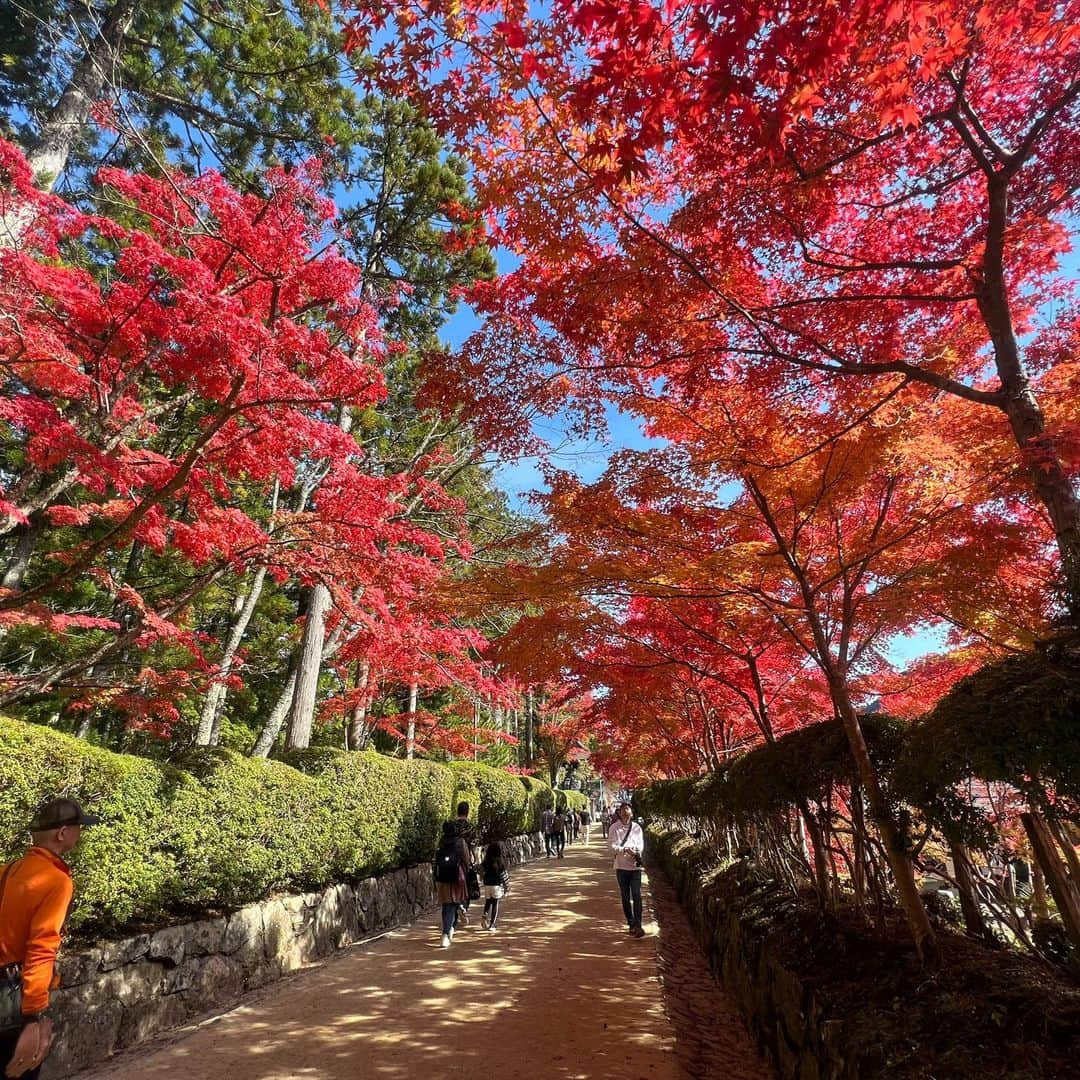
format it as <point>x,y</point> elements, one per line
<point>496,884</point>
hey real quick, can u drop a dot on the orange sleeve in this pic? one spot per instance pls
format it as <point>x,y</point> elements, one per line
<point>42,945</point>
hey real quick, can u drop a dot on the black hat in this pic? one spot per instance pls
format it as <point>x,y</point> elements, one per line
<point>56,813</point>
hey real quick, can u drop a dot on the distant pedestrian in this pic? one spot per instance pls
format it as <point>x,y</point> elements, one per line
<point>496,884</point>
<point>558,834</point>
<point>35,895</point>
<point>628,841</point>
<point>586,823</point>
<point>452,864</point>
<point>547,823</point>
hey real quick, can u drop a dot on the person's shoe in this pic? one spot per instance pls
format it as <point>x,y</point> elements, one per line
<point>637,931</point>
<point>484,924</point>
<point>446,941</point>
<point>491,929</point>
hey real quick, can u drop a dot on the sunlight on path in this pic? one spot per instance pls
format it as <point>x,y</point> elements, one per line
<point>559,991</point>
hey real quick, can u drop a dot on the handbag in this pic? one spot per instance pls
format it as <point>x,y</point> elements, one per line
<point>637,858</point>
<point>472,883</point>
<point>11,1017</point>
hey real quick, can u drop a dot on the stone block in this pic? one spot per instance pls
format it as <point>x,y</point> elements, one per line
<point>78,967</point>
<point>243,938</point>
<point>206,937</point>
<point>170,945</point>
<point>277,929</point>
<point>131,984</point>
<point>328,923</point>
<point>83,1037</point>
<point>142,1022</point>
<point>214,979</point>
<point>116,954</point>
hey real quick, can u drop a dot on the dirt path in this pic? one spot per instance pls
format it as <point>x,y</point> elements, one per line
<point>559,991</point>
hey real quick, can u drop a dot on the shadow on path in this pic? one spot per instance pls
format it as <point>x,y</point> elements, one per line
<point>559,991</point>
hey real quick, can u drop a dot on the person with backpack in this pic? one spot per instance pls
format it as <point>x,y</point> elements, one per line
<point>586,823</point>
<point>452,864</point>
<point>463,828</point>
<point>496,884</point>
<point>558,833</point>
<point>35,895</point>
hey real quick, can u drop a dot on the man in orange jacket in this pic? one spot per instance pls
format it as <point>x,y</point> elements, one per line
<point>35,894</point>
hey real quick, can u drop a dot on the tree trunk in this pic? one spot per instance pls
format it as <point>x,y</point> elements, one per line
<point>903,872</point>
<point>965,884</point>
<point>1039,903</point>
<point>357,733</point>
<point>410,734</point>
<point>817,842</point>
<point>209,733</point>
<point>19,562</point>
<point>276,720</point>
<point>309,667</point>
<point>1065,892</point>
<point>1067,848</point>
<point>528,728</point>
<point>70,115</point>
<point>1053,485</point>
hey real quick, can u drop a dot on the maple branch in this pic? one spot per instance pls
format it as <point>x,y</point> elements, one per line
<point>959,85</point>
<point>915,298</point>
<point>1016,159</point>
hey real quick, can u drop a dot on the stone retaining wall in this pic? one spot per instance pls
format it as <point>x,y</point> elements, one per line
<point>784,1014</point>
<point>123,992</point>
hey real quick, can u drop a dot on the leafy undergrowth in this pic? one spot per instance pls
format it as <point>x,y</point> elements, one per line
<point>984,1012</point>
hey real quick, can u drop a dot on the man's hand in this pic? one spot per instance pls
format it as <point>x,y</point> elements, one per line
<point>32,1047</point>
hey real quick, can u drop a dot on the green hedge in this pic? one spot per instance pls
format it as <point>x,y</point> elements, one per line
<point>798,766</point>
<point>569,800</point>
<point>216,830</point>
<point>539,798</point>
<point>501,805</point>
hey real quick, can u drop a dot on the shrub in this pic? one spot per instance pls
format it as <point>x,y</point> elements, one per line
<point>539,797</point>
<point>127,868</point>
<point>501,806</point>
<point>273,829</point>
<point>569,800</point>
<point>385,813</point>
<point>216,830</point>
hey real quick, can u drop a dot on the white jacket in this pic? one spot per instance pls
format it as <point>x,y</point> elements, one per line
<point>635,844</point>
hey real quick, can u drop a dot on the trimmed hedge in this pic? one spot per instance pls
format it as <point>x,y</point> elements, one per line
<point>569,800</point>
<point>501,805</point>
<point>217,830</point>
<point>800,765</point>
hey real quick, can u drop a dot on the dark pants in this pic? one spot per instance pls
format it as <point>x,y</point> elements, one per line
<point>630,891</point>
<point>560,842</point>
<point>449,913</point>
<point>8,1039</point>
<point>547,843</point>
<point>491,910</point>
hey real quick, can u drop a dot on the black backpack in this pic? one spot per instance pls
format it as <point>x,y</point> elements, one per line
<point>448,864</point>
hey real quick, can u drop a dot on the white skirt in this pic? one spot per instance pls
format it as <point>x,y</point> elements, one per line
<point>493,892</point>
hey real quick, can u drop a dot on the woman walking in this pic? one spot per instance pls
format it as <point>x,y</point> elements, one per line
<point>496,884</point>
<point>452,862</point>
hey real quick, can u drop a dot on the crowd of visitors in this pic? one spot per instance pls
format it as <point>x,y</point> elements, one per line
<point>560,828</point>
<point>459,879</point>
